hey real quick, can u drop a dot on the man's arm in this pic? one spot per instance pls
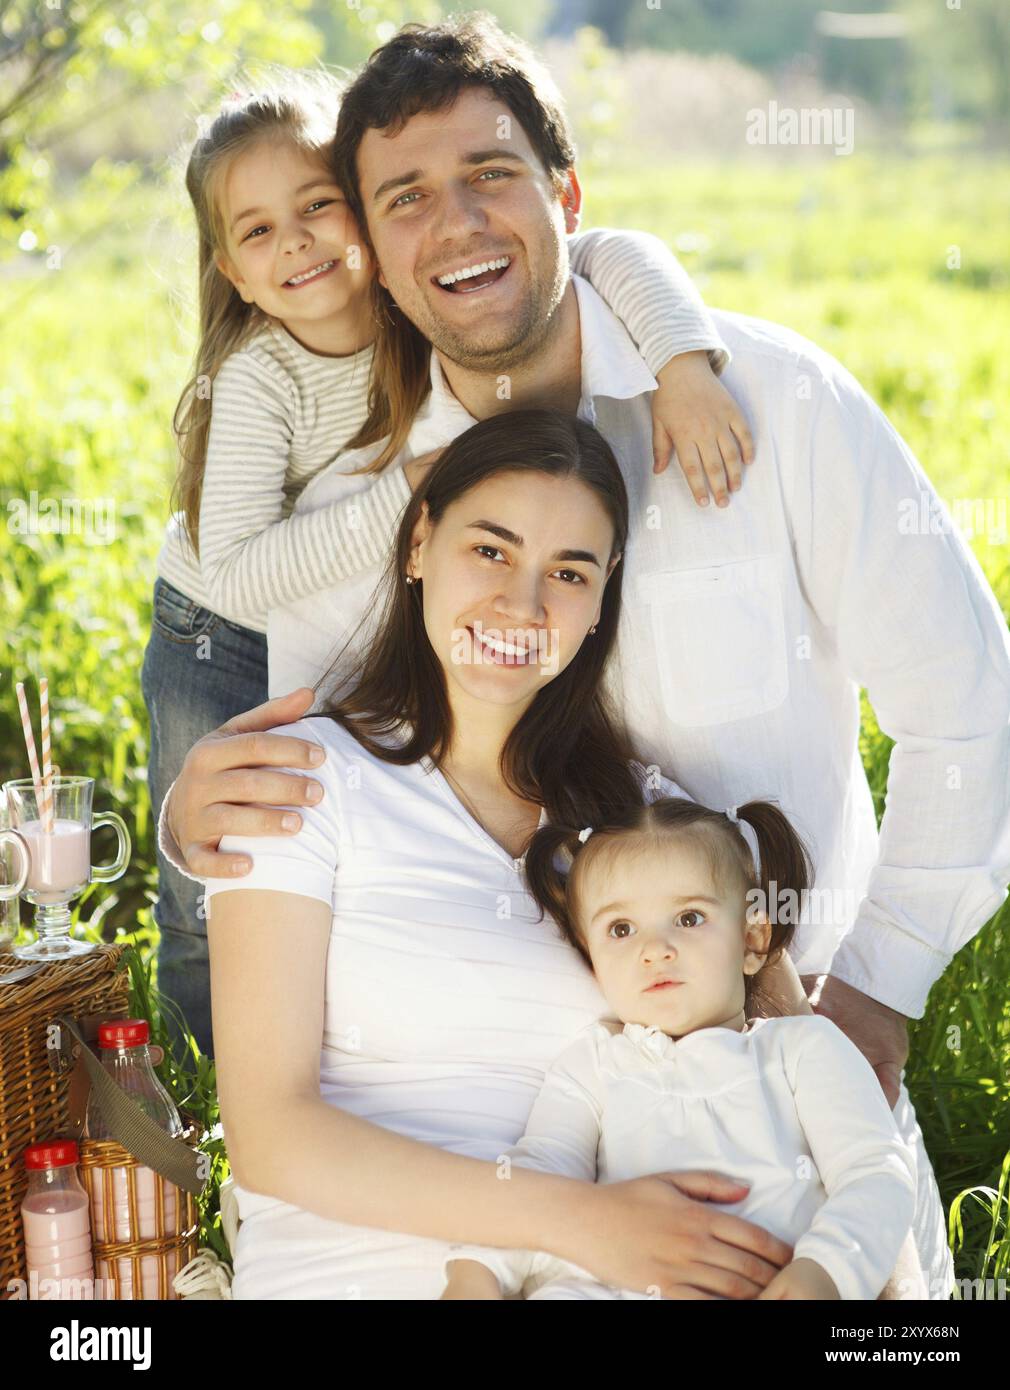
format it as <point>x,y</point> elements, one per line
<point>916,624</point>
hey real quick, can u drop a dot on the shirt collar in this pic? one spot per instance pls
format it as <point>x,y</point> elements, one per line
<point>651,1039</point>
<point>611,366</point>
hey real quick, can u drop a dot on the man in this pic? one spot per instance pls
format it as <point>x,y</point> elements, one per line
<point>747,632</point>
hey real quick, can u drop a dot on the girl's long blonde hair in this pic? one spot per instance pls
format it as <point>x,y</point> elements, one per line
<point>301,106</point>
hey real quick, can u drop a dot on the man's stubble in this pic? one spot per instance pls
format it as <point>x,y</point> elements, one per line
<point>518,343</point>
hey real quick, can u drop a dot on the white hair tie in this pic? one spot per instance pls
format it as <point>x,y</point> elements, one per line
<point>585,834</point>
<point>750,836</point>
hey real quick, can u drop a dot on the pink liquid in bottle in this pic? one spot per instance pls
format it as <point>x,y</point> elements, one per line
<point>60,860</point>
<point>118,1224</point>
<point>123,1048</point>
<point>57,1225</point>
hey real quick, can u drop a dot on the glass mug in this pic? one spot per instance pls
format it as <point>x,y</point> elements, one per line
<point>12,881</point>
<point>59,860</point>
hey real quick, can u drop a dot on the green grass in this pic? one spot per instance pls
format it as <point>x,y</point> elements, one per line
<point>851,252</point>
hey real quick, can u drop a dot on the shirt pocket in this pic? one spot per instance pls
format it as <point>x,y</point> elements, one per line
<point>177,616</point>
<point>720,639</point>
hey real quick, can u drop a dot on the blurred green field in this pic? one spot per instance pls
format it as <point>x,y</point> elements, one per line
<point>855,253</point>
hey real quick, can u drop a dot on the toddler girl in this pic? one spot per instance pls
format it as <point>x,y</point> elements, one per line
<point>297,363</point>
<point>669,905</point>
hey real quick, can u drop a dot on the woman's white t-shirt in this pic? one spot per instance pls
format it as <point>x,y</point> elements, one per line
<point>446,1000</point>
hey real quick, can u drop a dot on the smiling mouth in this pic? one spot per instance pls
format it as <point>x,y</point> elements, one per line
<point>471,279</point>
<point>502,653</point>
<point>306,277</point>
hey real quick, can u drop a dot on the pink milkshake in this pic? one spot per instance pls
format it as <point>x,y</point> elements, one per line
<point>148,1222</point>
<point>56,1223</point>
<point>60,860</point>
<point>55,825</point>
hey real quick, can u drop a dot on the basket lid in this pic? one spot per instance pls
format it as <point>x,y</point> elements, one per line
<point>51,1153</point>
<point>124,1032</point>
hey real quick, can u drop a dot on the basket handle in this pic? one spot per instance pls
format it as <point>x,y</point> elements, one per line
<point>135,1130</point>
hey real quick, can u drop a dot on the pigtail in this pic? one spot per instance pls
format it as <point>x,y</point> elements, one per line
<point>786,872</point>
<point>550,855</point>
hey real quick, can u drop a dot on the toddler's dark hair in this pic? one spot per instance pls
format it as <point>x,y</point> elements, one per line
<point>556,860</point>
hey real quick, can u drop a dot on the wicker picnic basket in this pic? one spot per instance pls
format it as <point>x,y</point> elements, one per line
<point>42,1092</point>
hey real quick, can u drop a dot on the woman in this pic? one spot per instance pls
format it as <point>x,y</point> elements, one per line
<point>395,927</point>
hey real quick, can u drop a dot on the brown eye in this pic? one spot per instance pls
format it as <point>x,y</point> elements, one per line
<point>616,926</point>
<point>691,913</point>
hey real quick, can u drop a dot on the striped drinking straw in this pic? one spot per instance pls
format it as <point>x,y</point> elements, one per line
<point>47,762</point>
<point>33,758</point>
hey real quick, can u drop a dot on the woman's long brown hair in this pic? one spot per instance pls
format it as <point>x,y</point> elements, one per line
<point>569,750</point>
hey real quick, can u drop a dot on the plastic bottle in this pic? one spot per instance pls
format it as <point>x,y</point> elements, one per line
<point>125,1055</point>
<point>56,1222</point>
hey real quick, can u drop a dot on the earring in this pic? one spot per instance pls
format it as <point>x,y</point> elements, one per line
<point>592,629</point>
<point>410,579</point>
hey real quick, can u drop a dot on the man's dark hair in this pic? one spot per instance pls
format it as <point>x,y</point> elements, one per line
<point>425,69</point>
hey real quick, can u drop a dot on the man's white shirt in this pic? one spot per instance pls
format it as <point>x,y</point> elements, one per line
<point>747,631</point>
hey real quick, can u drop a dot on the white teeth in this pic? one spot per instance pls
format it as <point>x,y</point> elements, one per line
<point>472,270</point>
<point>501,648</point>
<point>309,274</point>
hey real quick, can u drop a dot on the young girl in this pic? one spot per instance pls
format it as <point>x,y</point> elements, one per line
<point>296,363</point>
<point>668,903</point>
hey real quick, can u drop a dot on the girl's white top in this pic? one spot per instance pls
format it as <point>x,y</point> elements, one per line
<point>282,414</point>
<point>789,1105</point>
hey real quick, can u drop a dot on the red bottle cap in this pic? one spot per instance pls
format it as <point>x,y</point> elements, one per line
<point>124,1032</point>
<point>53,1153</point>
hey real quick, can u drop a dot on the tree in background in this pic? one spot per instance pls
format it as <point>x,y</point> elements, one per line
<point>67,66</point>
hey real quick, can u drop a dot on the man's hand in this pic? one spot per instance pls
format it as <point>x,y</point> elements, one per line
<point>227,772</point>
<point>880,1033</point>
<point>777,991</point>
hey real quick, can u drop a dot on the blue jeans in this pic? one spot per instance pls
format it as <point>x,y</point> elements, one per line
<point>199,670</point>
